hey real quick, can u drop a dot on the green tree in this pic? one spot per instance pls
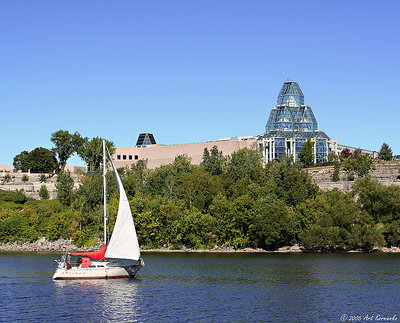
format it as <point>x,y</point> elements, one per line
<point>89,195</point>
<point>334,214</point>
<point>385,153</point>
<point>332,158</point>
<point>306,154</point>
<point>20,161</point>
<point>380,201</point>
<point>356,163</point>
<point>195,229</point>
<point>42,160</point>
<point>293,185</point>
<point>91,151</point>
<point>65,185</point>
<point>213,161</point>
<point>14,228</point>
<point>43,192</point>
<point>182,164</point>
<point>17,197</point>
<point>362,164</point>
<point>165,180</point>
<point>272,225</point>
<point>308,212</point>
<point>38,160</point>
<point>199,188</point>
<point>162,181</point>
<point>391,231</point>
<point>335,174</point>
<point>237,222</point>
<point>65,145</point>
<point>134,179</point>
<point>25,178</point>
<point>245,164</point>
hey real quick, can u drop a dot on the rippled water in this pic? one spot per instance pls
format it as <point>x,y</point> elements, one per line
<point>208,288</point>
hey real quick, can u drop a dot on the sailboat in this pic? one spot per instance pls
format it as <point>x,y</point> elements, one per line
<point>120,258</point>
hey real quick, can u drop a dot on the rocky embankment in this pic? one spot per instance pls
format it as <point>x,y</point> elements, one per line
<point>44,245</point>
<point>63,246</point>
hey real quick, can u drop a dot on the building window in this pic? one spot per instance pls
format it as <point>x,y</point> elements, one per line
<point>321,150</point>
<point>118,157</point>
<point>136,157</point>
<point>299,144</point>
<point>130,157</point>
<point>124,157</point>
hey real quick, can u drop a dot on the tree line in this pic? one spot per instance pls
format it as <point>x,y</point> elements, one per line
<point>43,160</point>
<point>233,201</point>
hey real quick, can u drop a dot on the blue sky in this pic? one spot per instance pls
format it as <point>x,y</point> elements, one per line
<point>189,71</point>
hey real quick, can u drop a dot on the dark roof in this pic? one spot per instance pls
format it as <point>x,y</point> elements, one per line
<point>145,139</point>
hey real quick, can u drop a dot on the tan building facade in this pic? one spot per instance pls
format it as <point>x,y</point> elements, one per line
<point>158,155</point>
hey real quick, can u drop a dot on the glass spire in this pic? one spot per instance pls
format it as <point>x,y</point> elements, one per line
<point>290,114</point>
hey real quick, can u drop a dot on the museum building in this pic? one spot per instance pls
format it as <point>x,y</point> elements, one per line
<point>290,124</point>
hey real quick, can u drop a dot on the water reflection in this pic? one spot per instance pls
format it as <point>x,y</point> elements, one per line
<point>109,300</point>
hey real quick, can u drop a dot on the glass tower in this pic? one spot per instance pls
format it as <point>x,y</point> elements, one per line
<point>290,124</point>
<point>290,115</point>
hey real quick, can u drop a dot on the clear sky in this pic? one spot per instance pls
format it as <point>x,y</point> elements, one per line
<point>189,71</point>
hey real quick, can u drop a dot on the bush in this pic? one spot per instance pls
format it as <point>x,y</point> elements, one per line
<point>14,228</point>
<point>272,226</point>
<point>335,175</point>
<point>7,178</point>
<point>43,192</point>
<point>85,238</point>
<point>17,197</point>
<point>65,185</point>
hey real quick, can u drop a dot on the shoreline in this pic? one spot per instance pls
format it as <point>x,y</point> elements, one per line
<point>43,245</point>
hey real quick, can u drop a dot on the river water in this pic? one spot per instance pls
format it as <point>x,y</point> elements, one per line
<point>209,288</point>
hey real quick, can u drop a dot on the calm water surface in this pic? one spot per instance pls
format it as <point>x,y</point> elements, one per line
<point>208,288</point>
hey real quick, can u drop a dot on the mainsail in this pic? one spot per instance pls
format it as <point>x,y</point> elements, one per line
<point>123,243</point>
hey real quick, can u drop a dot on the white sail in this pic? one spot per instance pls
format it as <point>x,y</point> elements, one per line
<point>123,243</point>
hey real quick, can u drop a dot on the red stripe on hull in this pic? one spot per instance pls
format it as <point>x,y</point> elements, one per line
<point>94,277</point>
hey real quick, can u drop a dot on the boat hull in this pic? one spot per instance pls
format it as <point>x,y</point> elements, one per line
<point>106,272</point>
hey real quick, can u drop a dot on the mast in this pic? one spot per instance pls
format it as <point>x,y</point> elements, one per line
<point>105,190</point>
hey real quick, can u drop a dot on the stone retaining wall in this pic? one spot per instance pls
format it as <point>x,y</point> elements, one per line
<point>32,186</point>
<point>385,172</point>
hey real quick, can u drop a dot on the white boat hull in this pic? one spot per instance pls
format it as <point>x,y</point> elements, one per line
<point>106,271</point>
